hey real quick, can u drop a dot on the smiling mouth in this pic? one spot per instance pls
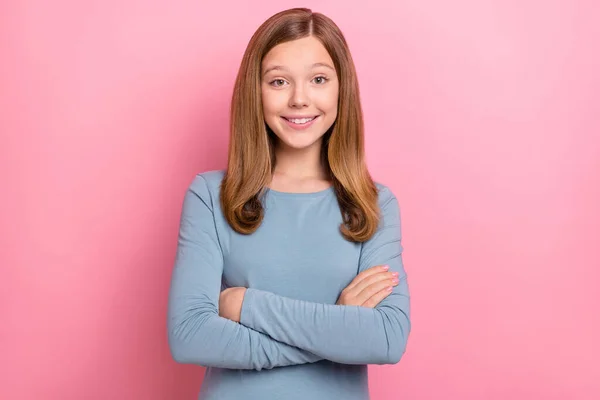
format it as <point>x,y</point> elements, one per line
<point>300,121</point>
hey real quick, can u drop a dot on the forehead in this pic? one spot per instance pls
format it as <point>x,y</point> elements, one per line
<point>300,53</point>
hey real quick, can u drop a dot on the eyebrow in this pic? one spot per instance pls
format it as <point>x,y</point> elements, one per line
<point>282,68</point>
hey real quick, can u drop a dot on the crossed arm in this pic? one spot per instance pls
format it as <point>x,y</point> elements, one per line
<point>275,330</point>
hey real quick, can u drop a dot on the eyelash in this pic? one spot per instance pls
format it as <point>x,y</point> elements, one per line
<point>279,79</point>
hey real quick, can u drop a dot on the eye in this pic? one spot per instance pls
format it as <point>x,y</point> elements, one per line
<point>322,78</point>
<point>272,83</point>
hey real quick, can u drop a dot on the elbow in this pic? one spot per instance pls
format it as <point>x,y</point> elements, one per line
<point>387,354</point>
<point>182,353</point>
<point>202,353</point>
<point>186,352</point>
<point>397,340</point>
<point>189,332</point>
<point>195,342</point>
<point>178,355</point>
<point>184,344</point>
<point>395,354</point>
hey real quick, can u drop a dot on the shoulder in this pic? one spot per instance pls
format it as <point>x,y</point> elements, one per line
<point>388,205</point>
<point>206,185</point>
<point>385,193</point>
<point>212,178</point>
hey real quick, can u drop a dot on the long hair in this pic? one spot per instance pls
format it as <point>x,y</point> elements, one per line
<point>251,158</point>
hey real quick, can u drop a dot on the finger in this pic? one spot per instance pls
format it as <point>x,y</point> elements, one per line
<point>374,300</point>
<point>362,285</point>
<point>373,289</point>
<point>365,274</point>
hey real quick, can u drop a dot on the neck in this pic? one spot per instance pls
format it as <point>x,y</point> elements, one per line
<point>300,163</point>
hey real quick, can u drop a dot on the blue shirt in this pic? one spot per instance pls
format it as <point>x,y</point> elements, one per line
<point>293,342</point>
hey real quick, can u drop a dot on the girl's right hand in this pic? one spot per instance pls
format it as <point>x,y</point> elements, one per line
<point>369,287</point>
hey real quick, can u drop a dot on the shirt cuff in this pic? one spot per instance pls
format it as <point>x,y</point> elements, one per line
<point>246,312</point>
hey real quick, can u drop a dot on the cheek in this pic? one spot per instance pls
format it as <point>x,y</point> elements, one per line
<point>330,106</point>
<point>271,104</point>
<point>329,99</point>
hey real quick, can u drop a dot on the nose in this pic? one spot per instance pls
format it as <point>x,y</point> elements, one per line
<point>299,97</point>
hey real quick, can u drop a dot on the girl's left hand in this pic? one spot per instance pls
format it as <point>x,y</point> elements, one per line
<point>230,303</point>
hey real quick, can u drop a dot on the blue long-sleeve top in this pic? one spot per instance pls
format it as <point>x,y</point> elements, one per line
<point>292,341</point>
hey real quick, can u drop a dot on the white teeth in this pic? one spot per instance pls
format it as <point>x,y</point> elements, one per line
<point>300,121</point>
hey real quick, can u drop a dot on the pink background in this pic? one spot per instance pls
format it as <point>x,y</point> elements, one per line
<point>482,116</point>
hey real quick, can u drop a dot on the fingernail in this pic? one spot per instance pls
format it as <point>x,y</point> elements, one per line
<point>386,267</point>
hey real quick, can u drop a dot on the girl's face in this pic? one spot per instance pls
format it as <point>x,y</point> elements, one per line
<point>299,92</point>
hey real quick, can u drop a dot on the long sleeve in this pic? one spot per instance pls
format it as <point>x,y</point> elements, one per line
<point>196,332</point>
<point>344,334</point>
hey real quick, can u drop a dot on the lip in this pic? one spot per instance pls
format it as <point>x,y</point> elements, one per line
<point>299,116</point>
<point>300,127</point>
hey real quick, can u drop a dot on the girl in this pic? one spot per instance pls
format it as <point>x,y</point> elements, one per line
<point>288,279</point>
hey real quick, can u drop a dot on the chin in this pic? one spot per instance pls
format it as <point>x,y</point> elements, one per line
<point>300,144</point>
